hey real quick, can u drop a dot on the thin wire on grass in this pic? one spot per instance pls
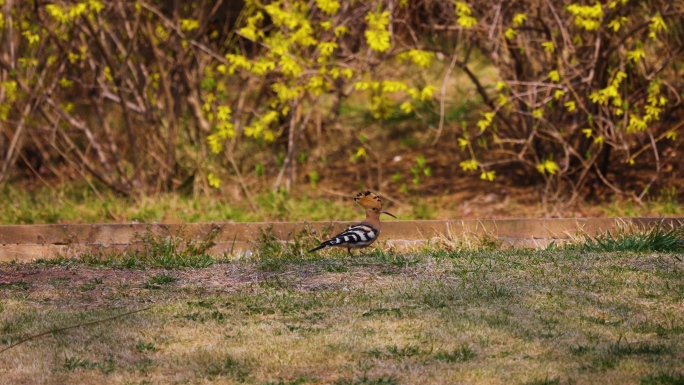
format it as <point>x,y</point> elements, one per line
<point>35,336</point>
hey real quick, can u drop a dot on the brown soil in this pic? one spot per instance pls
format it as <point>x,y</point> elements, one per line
<point>517,191</point>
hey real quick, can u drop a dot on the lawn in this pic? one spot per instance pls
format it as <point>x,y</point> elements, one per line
<point>433,315</point>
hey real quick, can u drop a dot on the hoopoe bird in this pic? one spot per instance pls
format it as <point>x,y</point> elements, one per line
<point>362,234</point>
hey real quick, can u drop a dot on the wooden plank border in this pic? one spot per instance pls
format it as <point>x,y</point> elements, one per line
<point>28,242</point>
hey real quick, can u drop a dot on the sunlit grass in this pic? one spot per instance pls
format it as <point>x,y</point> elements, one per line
<point>78,204</point>
<point>630,237</point>
<point>454,311</point>
<point>462,316</point>
<point>665,204</point>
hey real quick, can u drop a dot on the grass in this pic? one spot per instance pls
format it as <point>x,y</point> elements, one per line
<point>467,312</point>
<point>77,203</point>
<point>157,251</point>
<point>663,379</point>
<point>664,204</point>
<point>460,354</point>
<point>634,238</point>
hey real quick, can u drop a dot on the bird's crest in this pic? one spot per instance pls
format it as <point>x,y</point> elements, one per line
<point>369,200</point>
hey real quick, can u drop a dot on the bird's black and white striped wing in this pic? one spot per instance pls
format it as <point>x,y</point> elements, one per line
<point>356,236</point>
<point>360,235</point>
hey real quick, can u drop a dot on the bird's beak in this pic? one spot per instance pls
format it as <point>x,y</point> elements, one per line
<point>385,212</point>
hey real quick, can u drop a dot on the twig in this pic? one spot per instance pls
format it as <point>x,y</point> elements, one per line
<point>287,165</point>
<point>192,42</point>
<point>606,181</point>
<point>658,139</point>
<point>561,26</point>
<point>78,169</point>
<point>14,149</point>
<point>248,193</point>
<point>169,104</point>
<point>657,173</point>
<point>293,136</point>
<point>108,57</point>
<point>10,29</point>
<point>447,75</point>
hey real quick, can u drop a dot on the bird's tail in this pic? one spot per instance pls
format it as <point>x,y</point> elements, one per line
<point>322,246</point>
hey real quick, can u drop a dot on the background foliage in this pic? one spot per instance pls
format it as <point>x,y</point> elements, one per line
<point>150,96</point>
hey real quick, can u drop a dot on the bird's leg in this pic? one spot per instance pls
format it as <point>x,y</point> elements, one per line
<point>349,251</point>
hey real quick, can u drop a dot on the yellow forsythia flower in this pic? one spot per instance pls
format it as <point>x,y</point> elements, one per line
<point>519,19</point>
<point>469,165</point>
<point>214,181</point>
<point>488,175</point>
<point>548,166</point>
<point>330,7</point>
<point>554,76</point>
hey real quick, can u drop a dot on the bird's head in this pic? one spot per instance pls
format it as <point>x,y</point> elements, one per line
<point>371,203</point>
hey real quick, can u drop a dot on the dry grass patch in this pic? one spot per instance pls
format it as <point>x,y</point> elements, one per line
<point>430,316</point>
